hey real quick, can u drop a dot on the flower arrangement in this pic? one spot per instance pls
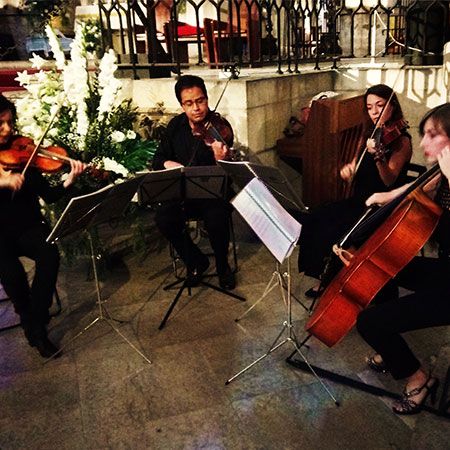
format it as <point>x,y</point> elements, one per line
<point>92,120</point>
<point>79,103</point>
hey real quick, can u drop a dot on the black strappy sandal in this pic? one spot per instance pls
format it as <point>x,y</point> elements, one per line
<point>406,406</point>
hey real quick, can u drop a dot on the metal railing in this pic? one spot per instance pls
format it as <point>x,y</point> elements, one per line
<point>167,35</point>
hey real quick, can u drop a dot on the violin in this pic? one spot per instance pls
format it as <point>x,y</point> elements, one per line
<point>389,133</point>
<point>47,159</point>
<point>214,128</point>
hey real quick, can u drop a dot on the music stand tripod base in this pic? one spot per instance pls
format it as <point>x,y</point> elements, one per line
<point>287,327</point>
<point>186,285</point>
<point>103,315</point>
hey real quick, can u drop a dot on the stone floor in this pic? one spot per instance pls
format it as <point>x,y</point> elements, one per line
<point>102,394</point>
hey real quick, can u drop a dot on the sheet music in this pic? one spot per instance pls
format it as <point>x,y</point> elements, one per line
<point>276,228</point>
<point>78,213</point>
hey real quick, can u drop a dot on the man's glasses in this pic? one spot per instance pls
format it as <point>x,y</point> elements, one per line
<point>198,102</point>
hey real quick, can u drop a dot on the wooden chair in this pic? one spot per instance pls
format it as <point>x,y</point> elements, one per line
<point>222,45</point>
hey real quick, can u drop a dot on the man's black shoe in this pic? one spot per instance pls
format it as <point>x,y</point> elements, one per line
<point>227,280</point>
<point>45,347</point>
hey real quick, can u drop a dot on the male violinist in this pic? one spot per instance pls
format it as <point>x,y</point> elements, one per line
<point>23,232</point>
<point>179,147</point>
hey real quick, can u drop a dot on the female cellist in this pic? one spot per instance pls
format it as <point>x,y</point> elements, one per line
<point>428,306</point>
<point>23,232</point>
<point>379,166</point>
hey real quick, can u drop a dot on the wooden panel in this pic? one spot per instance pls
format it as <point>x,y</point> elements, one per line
<point>330,139</point>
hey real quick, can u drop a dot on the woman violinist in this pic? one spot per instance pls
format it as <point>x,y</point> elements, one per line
<point>381,324</point>
<point>23,232</point>
<point>379,166</point>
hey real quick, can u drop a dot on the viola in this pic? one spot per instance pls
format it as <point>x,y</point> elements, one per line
<point>393,131</point>
<point>213,128</point>
<point>47,159</point>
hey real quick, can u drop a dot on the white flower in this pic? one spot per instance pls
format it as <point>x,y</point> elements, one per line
<point>55,45</point>
<point>131,134</point>
<point>117,136</point>
<point>37,62</point>
<point>113,166</point>
<point>24,78</point>
<point>109,86</point>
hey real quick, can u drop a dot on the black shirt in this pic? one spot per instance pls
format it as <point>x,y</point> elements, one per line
<point>20,210</point>
<point>180,145</point>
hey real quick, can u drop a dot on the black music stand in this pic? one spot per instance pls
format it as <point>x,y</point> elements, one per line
<point>81,214</point>
<point>183,184</point>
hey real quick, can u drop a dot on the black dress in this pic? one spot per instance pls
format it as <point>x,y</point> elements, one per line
<point>23,232</point>
<point>323,227</point>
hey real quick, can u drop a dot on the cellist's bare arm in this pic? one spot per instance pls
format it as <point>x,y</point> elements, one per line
<point>381,198</point>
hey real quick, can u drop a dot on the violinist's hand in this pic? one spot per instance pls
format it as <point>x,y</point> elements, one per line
<point>171,164</point>
<point>76,169</point>
<point>444,161</point>
<point>220,150</point>
<point>347,171</point>
<point>371,146</point>
<point>9,180</point>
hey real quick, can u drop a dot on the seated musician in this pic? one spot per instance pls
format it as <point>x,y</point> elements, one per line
<point>380,168</point>
<point>23,233</point>
<point>178,148</point>
<point>428,306</point>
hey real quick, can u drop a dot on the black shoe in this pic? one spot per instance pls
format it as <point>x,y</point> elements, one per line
<point>227,280</point>
<point>194,276</point>
<point>376,366</point>
<point>313,293</point>
<point>45,347</point>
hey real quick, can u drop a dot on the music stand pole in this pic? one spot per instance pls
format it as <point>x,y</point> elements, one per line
<point>287,327</point>
<point>194,175</point>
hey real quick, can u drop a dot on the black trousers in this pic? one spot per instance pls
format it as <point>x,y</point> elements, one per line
<point>382,323</point>
<point>216,215</point>
<point>31,303</point>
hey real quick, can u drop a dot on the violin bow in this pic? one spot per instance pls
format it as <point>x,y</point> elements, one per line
<point>47,128</point>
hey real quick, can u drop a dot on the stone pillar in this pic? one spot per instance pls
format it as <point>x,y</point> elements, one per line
<point>446,70</point>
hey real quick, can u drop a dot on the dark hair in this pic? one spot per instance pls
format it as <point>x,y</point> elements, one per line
<point>7,105</point>
<point>383,91</point>
<point>440,115</point>
<point>189,81</point>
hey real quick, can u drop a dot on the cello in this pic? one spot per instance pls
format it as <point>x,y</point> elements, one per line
<point>411,219</point>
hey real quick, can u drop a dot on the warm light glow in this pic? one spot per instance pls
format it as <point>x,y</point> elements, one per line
<point>14,3</point>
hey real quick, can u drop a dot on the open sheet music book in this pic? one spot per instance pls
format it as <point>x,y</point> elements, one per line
<point>276,228</point>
